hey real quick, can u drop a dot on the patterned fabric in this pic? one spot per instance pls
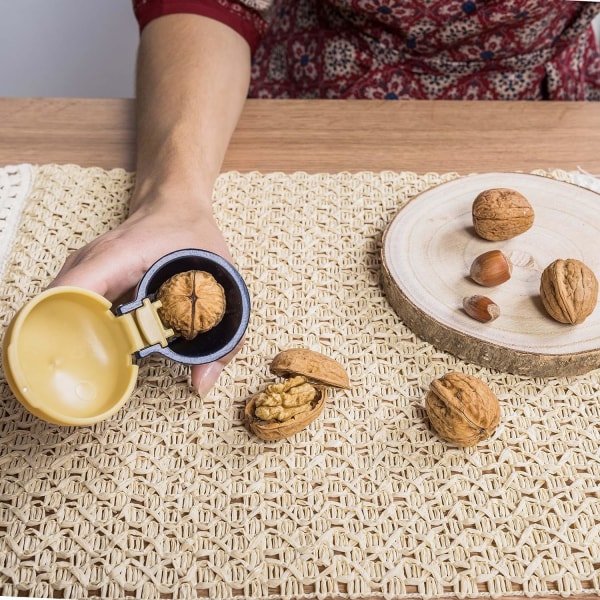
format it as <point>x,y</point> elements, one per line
<point>425,49</point>
<point>173,499</point>
<point>249,19</point>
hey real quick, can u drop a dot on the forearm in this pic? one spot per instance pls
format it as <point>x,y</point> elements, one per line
<point>192,81</point>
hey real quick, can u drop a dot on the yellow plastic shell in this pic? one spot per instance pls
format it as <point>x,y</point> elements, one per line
<point>68,358</point>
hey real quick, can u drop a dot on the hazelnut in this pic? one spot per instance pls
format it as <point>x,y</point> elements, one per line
<point>192,302</point>
<point>462,409</point>
<point>569,291</point>
<point>481,308</point>
<point>491,268</point>
<point>501,213</point>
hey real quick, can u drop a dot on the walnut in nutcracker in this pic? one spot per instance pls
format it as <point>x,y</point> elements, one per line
<point>192,302</point>
<point>286,407</point>
<point>462,409</point>
<point>569,291</point>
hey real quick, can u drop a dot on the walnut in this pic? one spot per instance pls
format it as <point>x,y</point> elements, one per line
<point>569,291</point>
<point>282,401</point>
<point>287,407</point>
<point>192,302</point>
<point>313,365</point>
<point>501,214</point>
<point>462,409</point>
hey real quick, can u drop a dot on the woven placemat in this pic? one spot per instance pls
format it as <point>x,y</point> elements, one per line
<point>173,498</point>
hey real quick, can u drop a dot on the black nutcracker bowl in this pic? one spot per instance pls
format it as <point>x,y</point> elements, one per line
<point>226,335</point>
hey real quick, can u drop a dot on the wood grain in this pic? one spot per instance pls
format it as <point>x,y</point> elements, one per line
<point>67,131</point>
<point>325,135</point>
<point>427,251</point>
<point>328,136</point>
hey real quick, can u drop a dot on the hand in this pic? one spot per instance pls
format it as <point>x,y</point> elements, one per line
<point>192,77</point>
<point>113,264</point>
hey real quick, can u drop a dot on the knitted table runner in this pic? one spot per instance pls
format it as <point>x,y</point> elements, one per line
<point>172,498</point>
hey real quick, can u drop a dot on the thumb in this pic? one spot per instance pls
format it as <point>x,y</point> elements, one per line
<point>83,278</point>
<point>110,278</point>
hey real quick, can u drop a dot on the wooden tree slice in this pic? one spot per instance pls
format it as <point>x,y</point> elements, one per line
<point>427,252</point>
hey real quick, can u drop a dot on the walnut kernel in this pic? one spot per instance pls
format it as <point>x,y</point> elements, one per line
<point>285,408</point>
<point>282,401</point>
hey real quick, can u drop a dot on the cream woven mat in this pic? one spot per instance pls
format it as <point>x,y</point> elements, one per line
<point>173,498</point>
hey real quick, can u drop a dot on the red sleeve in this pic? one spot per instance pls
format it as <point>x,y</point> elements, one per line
<point>248,23</point>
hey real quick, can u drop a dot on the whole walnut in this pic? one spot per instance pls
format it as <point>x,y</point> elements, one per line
<point>192,302</point>
<point>501,213</point>
<point>569,290</point>
<point>462,409</point>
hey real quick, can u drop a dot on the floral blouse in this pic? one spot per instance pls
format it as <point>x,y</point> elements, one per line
<point>420,49</point>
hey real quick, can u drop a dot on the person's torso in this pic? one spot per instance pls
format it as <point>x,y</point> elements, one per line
<point>414,48</point>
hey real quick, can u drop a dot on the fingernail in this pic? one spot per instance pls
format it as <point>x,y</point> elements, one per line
<point>209,376</point>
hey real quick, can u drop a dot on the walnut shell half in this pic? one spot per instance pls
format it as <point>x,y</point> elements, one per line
<point>312,365</point>
<point>462,409</point>
<point>285,408</point>
<point>275,429</point>
<point>501,214</point>
<point>569,291</point>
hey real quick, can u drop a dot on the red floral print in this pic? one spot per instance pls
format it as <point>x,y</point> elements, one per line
<point>421,49</point>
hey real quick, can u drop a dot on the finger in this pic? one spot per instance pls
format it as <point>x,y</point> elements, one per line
<point>83,278</point>
<point>99,278</point>
<point>204,377</point>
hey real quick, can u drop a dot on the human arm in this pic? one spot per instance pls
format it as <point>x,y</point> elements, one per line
<point>192,80</point>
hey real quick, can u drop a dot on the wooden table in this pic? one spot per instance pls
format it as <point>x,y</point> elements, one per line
<point>325,135</point>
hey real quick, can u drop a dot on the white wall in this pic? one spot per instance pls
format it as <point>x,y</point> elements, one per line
<point>73,48</point>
